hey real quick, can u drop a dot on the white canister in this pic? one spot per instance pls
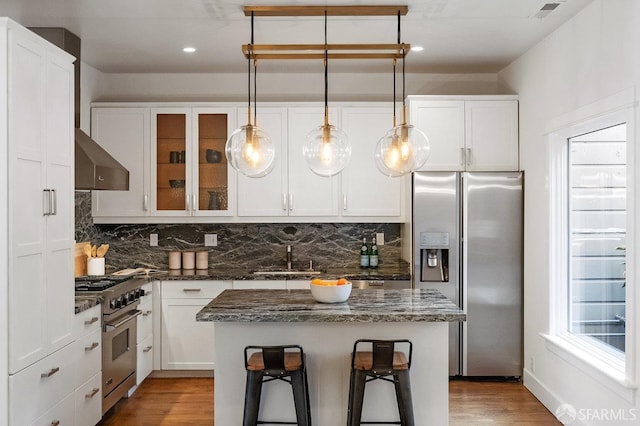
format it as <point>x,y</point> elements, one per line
<point>95,266</point>
<point>174,260</point>
<point>188,260</point>
<point>202,260</point>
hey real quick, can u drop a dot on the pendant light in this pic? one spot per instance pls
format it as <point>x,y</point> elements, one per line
<point>249,150</point>
<point>326,147</point>
<point>404,148</point>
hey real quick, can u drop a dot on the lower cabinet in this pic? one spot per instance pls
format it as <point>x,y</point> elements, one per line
<point>144,341</point>
<point>186,343</point>
<point>60,414</point>
<point>88,402</point>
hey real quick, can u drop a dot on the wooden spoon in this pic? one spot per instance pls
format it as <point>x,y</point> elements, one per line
<point>102,250</point>
<point>94,251</point>
<point>87,250</point>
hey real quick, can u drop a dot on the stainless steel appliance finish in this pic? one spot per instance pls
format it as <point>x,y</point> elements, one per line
<point>120,299</point>
<point>467,243</point>
<point>381,284</point>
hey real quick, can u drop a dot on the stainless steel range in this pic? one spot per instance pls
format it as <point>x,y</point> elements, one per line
<point>120,296</point>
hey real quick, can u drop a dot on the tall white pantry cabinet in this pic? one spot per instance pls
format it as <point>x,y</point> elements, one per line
<point>37,218</point>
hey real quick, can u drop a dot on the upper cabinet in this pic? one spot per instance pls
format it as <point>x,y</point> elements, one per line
<point>179,172</point>
<point>189,171</point>
<point>365,190</point>
<point>475,133</point>
<point>123,133</point>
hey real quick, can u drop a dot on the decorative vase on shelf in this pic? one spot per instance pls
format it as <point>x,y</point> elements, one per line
<point>214,202</point>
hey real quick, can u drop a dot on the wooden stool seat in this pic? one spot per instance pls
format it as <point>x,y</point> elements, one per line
<point>292,361</point>
<point>364,361</point>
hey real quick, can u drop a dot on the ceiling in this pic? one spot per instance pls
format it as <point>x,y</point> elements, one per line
<point>147,36</point>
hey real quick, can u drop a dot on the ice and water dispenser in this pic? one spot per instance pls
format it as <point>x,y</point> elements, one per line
<point>434,256</point>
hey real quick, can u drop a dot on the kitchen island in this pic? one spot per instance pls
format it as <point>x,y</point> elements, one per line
<point>327,333</point>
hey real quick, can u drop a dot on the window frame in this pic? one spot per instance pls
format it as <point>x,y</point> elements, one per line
<point>623,370</point>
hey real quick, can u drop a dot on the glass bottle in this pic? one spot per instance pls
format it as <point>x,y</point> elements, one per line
<point>373,254</point>
<point>364,254</point>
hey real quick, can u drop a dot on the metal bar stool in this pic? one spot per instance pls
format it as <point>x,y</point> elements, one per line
<point>268,363</point>
<point>383,362</point>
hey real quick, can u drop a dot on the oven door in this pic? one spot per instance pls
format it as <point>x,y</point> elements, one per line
<point>118,350</point>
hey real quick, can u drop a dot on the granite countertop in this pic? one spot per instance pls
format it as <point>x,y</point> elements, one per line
<point>84,303</point>
<point>410,305</point>
<point>384,272</point>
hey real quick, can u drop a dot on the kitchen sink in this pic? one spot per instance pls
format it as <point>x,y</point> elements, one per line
<point>287,272</point>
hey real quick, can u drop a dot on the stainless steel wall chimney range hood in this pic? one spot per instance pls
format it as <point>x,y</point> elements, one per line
<point>95,168</point>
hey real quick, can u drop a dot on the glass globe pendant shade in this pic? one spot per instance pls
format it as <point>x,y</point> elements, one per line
<point>326,150</point>
<point>250,151</point>
<point>401,150</point>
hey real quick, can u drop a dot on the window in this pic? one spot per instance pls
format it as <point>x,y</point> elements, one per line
<point>596,236</point>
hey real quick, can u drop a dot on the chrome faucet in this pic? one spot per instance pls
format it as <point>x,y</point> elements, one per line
<point>289,257</point>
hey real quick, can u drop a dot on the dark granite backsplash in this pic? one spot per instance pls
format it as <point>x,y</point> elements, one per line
<point>249,245</point>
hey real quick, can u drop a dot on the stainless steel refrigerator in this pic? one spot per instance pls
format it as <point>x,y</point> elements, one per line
<point>467,243</point>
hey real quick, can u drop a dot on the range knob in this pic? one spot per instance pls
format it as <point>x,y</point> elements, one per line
<point>116,303</point>
<point>138,293</point>
<point>131,296</point>
<point>123,300</point>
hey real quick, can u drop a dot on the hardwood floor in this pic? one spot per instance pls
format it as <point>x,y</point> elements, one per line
<point>182,402</point>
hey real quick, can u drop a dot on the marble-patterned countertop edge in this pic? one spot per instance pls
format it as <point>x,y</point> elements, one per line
<point>387,273</point>
<point>407,305</point>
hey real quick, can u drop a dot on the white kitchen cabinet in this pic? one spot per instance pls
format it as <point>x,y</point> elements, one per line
<point>365,190</point>
<point>309,194</point>
<point>144,360</point>
<point>40,187</point>
<point>41,386</point>
<point>61,414</point>
<point>145,322</point>
<point>267,196</point>
<point>472,133</point>
<point>125,134</point>
<point>291,189</point>
<point>187,344</point>
<point>260,284</point>
<point>185,181</point>
<point>88,402</point>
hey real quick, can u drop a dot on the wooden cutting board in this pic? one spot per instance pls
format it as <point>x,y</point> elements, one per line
<point>80,259</point>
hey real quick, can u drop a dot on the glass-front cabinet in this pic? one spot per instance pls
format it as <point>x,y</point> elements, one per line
<point>190,174</point>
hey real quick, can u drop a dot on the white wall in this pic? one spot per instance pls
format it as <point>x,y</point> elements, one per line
<point>593,56</point>
<point>92,86</point>
<point>288,87</point>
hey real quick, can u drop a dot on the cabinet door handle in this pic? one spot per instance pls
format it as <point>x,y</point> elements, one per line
<point>146,313</point>
<point>55,422</point>
<point>92,347</point>
<point>192,290</point>
<point>188,202</point>
<point>284,201</point>
<point>50,373</point>
<point>46,202</point>
<point>468,156</point>
<point>145,202</point>
<point>194,204</point>
<point>290,201</point>
<point>53,202</point>
<point>344,202</point>
<point>463,159</point>
<point>93,392</point>
<point>91,321</point>
<point>147,349</point>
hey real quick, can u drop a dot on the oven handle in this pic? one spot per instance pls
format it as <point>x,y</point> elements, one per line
<point>130,315</point>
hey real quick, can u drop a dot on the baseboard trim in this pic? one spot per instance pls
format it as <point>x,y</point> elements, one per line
<point>180,373</point>
<point>549,399</point>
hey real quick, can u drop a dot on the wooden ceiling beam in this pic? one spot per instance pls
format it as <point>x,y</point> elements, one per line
<point>355,10</point>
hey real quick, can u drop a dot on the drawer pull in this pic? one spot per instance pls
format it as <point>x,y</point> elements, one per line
<point>92,347</point>
<point>91,321</point>
<point>147,349</point>
<point>50,373</point>
<point>146,313</point>
<point>192,290</point>
<point>92,393</point>
<point>55,422</point>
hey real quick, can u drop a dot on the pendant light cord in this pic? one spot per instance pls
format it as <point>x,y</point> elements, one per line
<point>404,107</point>
<point>326,73</point>
<point>250,53</point>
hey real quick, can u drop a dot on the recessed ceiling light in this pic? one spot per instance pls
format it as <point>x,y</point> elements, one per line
<point>188,49</point>
<point>417,48</point>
